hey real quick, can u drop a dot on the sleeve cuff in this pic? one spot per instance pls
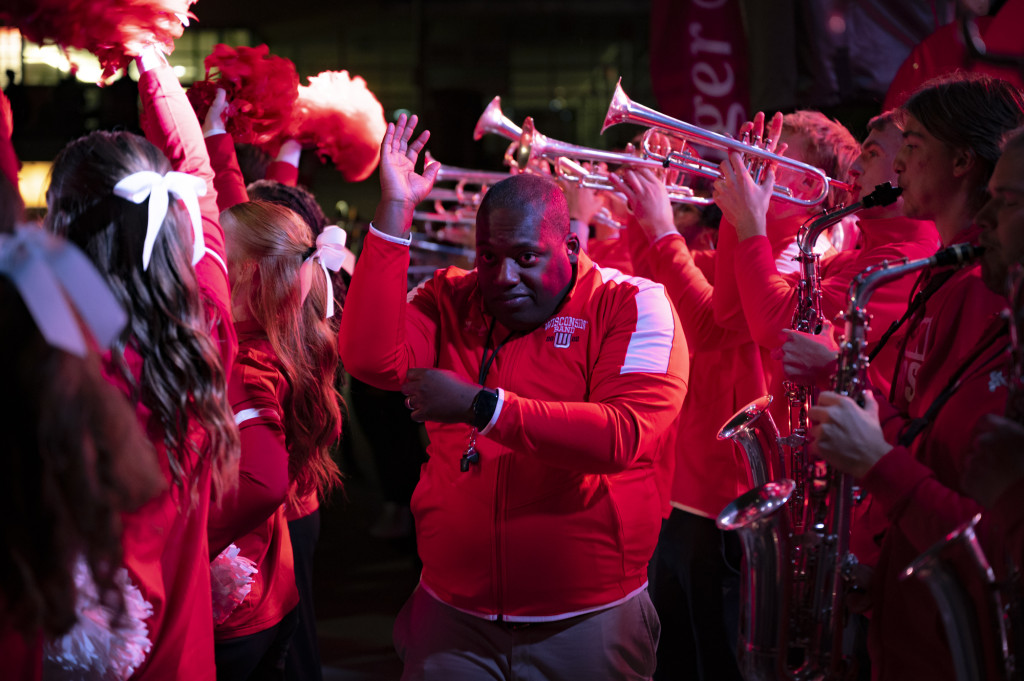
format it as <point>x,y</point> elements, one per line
<point>405,241</point>
<point>213,132</point>
<point>497,412</point>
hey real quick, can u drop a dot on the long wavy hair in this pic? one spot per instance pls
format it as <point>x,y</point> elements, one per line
<point>182,379</point>
<point>75,456</point>
<point>268,244</point>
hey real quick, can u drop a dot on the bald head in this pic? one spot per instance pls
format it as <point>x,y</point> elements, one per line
<point>528,195</point>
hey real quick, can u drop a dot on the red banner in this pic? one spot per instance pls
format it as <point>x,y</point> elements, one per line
<point>699,62</point>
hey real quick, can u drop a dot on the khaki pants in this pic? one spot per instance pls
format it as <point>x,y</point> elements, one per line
<point>439,643</point>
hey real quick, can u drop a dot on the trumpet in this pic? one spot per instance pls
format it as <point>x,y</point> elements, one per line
<point>493,121</point>
<point>464,175</point>
<point>572,171</point>
<point>535,147</point>
<point>624,110</point>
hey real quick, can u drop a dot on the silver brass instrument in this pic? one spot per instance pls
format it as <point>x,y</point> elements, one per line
<point>947,568</point>
<point>469,189</point>
<point>809,318</point>
<point>624,110</point>
<point>792,628</point>
<point>535,147</point>
<point>572,171</point>
<point>493,121</point>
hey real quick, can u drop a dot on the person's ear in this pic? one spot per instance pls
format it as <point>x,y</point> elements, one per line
<point>572,246</point>
<point>964,161</point>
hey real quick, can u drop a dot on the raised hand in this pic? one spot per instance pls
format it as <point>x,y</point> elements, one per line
<point>216,116</point>
<point>399,181</point>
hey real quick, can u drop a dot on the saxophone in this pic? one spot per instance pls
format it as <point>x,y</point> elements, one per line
<point>954,565</point>
<point>792,585</point>
<point>769,456</point>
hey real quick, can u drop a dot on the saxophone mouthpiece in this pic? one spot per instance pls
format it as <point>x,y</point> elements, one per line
<point>883,195</point>
<point>959,254</point>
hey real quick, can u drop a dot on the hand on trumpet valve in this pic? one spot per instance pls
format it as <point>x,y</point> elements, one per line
<point>743,200</point>
<point>647,200</point>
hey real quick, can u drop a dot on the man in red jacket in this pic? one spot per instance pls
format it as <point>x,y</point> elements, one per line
<point>546,384</point>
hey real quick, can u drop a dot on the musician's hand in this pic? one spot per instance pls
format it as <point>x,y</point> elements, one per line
<point>758,137</point>
<point>845,435</point>
<point>439,395</point>
<point>995,462</point>
<point>808,359</point>
<point>744,202</point>
<point>401,187</point>
<point>647,200</point>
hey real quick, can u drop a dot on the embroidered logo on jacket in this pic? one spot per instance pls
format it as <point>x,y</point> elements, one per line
<point>997,379</point>
<point>564,330</point>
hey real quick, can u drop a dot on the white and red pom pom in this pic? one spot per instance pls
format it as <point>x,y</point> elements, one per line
<point>231,578</point>
<point>342,118</point>
<point>261,89</point>
<point>103,644</point>
<point>113,30</point>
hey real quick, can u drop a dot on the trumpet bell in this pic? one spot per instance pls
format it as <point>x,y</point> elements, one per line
<point>493,121</point>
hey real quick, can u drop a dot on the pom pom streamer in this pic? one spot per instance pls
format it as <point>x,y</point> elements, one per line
<point>100,645</point>
<point>342,118</point>
<point>113,30</point>
<point>261,89</point>
<point>231,578</point>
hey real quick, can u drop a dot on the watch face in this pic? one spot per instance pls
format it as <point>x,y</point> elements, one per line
<point>483,408</point>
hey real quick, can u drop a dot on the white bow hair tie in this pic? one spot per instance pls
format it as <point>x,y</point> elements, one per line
<point>144,184</point>
<point>330,253</point>
<point>56,280</point>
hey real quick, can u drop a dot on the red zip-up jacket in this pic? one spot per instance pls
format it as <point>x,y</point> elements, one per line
<point>919,491</point>
<point>165,541</point>
<point>253,518</point>
<point>562,512</point>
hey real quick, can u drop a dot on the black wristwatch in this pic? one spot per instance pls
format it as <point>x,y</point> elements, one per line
<point>484,404</point>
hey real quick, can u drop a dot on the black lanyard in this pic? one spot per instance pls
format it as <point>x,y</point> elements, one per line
<point>488,360</point>
<point>913,428</point>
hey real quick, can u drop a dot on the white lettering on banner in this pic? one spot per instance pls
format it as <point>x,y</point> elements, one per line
<point>714,79</point>
<point>699,44</point>
<point>707,81</point>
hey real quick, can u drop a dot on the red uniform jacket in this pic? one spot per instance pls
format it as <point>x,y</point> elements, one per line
<point>705,473</point>
<point>254,518</point>
<point>562,513</point>
<point>165,542</point>
<point>920,494</point>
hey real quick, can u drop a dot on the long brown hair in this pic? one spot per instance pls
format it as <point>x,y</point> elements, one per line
<point>75,457</point>
<point>269,243</point>
<point>182,379</point>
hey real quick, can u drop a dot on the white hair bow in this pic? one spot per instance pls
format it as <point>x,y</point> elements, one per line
<point>146,183</point>
<point>331,254</point>
<point>56,281</point>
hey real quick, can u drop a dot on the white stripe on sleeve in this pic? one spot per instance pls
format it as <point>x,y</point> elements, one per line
<point>650,347</point>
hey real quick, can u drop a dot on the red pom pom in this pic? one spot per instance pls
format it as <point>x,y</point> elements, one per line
<point>113,30</point>
<point>261,90</point>
<point>344,120</point>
